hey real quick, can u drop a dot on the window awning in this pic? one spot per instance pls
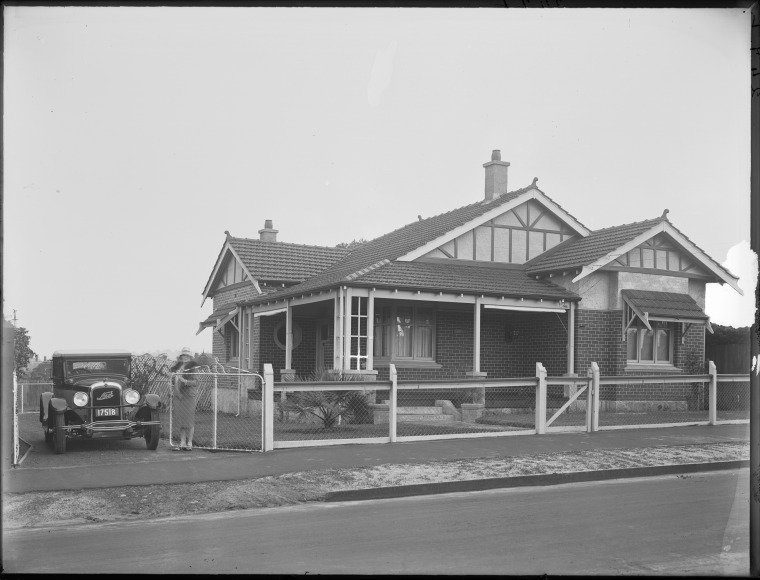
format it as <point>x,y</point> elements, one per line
<point>224,320</point>
<point>648,306</point>
<point>271,312</point>
<point>525,308</point>
<point>214,318</point>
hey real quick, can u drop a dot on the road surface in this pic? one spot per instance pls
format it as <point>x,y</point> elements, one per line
<point>694,524</point>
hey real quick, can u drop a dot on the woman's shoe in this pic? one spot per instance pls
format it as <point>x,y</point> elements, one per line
<point>176,448</point>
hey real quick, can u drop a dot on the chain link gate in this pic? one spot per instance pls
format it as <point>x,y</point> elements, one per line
<point>225,412</point>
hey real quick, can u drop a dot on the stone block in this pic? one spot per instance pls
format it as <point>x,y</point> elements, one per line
<point>472,411</point>
<point>448,408</point>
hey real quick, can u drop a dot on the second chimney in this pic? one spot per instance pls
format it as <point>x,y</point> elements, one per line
<point>496,176</point>
<point>268,234</point>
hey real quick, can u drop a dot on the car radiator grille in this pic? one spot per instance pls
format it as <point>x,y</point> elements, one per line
<point>106,397</point>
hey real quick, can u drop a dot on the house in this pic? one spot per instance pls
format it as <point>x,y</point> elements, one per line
<point>485,290</point>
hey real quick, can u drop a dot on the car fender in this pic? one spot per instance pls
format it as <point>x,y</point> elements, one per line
<point>44,404</point>
<point>59,405</point>
<point>152,400</point>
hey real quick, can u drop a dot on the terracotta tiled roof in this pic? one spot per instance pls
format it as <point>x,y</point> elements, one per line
<point>666,304</point>
<point>470,279</point>
<point>284,262</point>
<point>398,243</point>
<point>580,252</point>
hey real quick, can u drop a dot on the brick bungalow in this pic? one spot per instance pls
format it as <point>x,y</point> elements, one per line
<point>485,290</point>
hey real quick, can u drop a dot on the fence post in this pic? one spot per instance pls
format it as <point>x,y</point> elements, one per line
<point>540,399</point>
<point>589,401</point>
<point>393,403</point>
<point>15,420</point>
<point>213,441</point>
<point>596,394</point>
<point>267,404</point>
<point>171,406</point>
<point>713,372</point>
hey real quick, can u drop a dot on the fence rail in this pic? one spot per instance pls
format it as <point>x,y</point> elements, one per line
<point>299,414</point>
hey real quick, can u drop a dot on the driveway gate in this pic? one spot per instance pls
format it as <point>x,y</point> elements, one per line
<point>228,411</point>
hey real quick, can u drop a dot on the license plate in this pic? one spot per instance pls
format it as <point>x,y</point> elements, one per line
<point>106,412</point>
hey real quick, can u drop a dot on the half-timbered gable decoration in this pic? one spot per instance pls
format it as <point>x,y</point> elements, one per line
<point>513,237</point>
<point>231,273</point>
<point>661,252</point>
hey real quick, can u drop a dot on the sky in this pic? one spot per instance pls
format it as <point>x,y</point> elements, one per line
<point>134,137</point>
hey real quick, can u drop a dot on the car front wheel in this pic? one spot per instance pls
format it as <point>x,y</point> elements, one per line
<point>48,436</point>
<point>59,433</point>
<point>153,432</point>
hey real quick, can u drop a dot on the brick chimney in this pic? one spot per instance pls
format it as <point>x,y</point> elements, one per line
<point>268,234</point>
<point>496,176</point>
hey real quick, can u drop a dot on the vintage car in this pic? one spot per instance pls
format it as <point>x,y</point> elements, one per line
<point>92,398</point>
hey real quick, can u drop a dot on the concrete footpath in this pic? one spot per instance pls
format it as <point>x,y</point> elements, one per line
<point>203,466</point>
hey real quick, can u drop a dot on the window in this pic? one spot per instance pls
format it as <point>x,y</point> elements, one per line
<point>232,338</point>
<point>359,328</point>
<point>280,335</point>
<point>405,332</point>
<point>650,346</point>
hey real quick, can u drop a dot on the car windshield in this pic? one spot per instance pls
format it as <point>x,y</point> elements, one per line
<point>75,368</point>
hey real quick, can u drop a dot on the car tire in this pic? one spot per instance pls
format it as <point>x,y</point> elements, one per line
<point>46,427</point>
<point>59,434</point>
<point>153,433</point>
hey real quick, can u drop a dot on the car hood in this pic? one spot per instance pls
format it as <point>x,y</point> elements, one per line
<point>91,380</point>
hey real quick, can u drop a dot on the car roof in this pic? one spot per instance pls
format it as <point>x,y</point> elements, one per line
<point>97,352</point>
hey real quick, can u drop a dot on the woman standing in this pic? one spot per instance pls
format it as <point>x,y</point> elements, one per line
<point>185,390</point>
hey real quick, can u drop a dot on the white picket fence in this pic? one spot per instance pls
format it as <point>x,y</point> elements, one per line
<point>585,396</point>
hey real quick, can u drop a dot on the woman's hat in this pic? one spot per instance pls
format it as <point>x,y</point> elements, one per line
<point>186,351</point>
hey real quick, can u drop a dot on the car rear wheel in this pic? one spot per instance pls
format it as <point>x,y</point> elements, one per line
<point>59,433</point>
<point>153,433</point>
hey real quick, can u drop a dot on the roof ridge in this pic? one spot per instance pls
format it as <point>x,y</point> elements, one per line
<point>291,244</point>
<point>657,219</point>
<point>367,270</point>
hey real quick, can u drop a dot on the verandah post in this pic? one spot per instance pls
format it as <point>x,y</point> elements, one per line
<point>595,395</point>
<point>589,401</point>
<point>267,409</point>
<point>713,372</point>
<point>393,403</point>
<point>540,399</point>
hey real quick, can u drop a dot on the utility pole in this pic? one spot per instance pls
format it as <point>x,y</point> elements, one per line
<point>15,320</point>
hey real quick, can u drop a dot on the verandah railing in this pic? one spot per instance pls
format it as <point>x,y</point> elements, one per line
<point>297,414</point>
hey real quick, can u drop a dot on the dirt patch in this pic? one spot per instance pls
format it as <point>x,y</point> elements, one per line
<point>152,501</point>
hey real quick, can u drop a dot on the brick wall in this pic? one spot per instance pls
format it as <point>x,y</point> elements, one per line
<point>228,297</point>
<point>234,295</point>
<point>599,339</point>
<point>540,338</point>
<point>269,352</point>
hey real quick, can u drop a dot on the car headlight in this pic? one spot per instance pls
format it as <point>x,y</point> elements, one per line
<point>131,396</point>
<point>81,399</point>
